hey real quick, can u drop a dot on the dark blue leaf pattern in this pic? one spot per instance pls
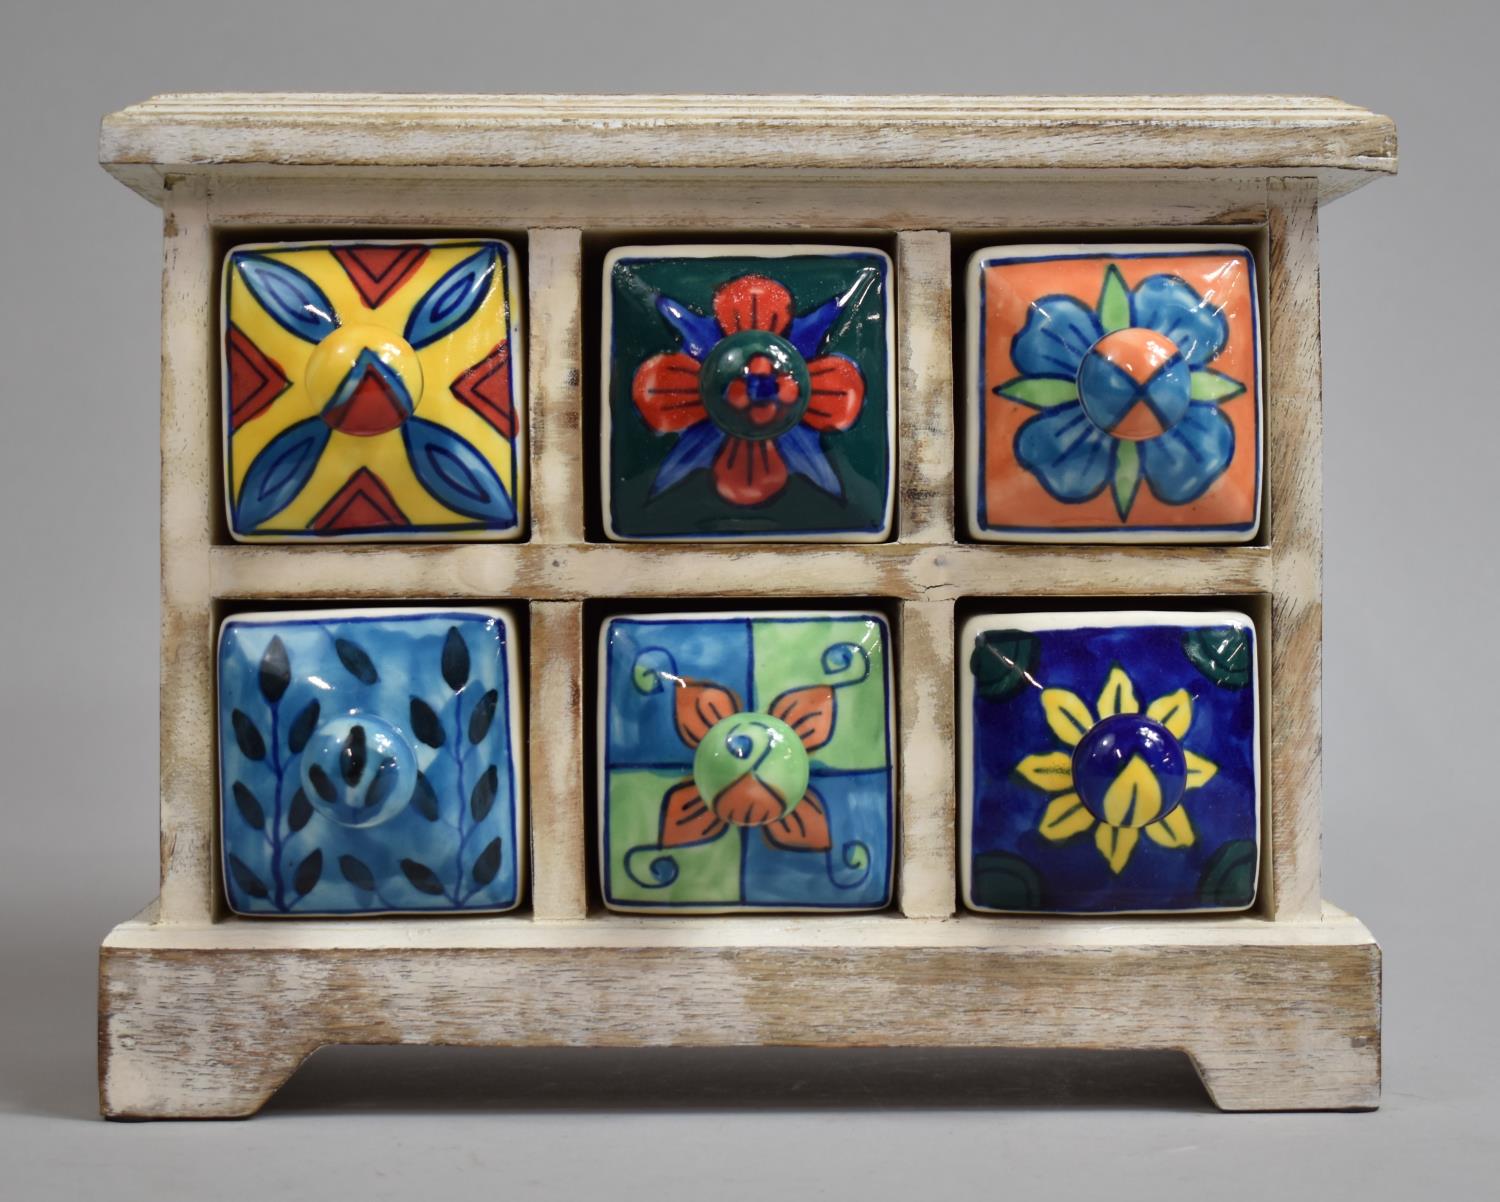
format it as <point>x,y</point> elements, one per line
<point>353,657</point>
<point>424,799</point>
<point>422,878</point>
<point>455,660</point>
<point>383,784</point>
<point>247,735</point>
<point>277,856</point>
<point>483,715</point>
<point>352,756</point>
<point>487,866</point>
<point>275,672</point>
<point>245,880</point>
<point>324,787</point>
<point>249,806</point>
<point>302,727</point>
<point>425,724</point>
<point>357,873</point>
<point>300,813</point>
<point>482,799</point>
<point>308,873</point>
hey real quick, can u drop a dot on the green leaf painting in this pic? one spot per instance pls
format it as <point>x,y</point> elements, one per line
<point>1001,662</point>
<point>1223,654</point>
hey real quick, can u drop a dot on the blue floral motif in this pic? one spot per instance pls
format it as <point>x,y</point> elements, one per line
<point>1069,451</point>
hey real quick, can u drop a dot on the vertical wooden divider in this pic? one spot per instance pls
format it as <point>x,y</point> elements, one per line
<point>1294,505</point>
<point>928,866</point>
<point>925,514</point>
<point>554,317</point>
<point>925,407</point>
<point>556,725</point>
<point>189,448</point>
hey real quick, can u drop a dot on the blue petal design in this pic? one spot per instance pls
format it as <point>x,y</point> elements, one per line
<point>454,299</point>
<point>1058,333</point>
<point>1168,305</point>
<point>807,332</point>
<point>279,473</point>
<point>695,448</point>
<point>803,451</point>
<point>1110,390</point>
<point>698,333</point>
<point>296,303</point>
<point>456,474</point>
<point>1067,452</point>
<point>1181,464</point>
<point>1169,391</point>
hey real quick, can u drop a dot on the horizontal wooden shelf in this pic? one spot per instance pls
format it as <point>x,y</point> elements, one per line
<point>910,572</point>
<point>1339,144</point>
<point>205,1020</point>
<point>604,929</point>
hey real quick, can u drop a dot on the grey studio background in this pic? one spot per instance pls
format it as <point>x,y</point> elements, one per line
<point>1412,696</point>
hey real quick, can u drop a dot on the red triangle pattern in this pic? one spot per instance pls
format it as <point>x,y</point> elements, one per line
<point>255,379</point>
<point>371,408</point>
<point>485,388</point>
<point>377,271</point>
<point>363,503</point>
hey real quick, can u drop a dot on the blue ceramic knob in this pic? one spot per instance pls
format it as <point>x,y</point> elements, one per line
<point>358,770</point>
<point>1129,770</point>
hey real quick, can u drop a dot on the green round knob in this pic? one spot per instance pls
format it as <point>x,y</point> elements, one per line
<point>758,746</point>
<point>755,385</point>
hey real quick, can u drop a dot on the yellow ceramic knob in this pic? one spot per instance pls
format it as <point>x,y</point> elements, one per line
<point>367,377</point>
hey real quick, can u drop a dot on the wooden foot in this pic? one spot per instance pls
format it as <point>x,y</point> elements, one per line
<point>208,1021</point>
<point>200,1071</point>
<point>1290,1080</point>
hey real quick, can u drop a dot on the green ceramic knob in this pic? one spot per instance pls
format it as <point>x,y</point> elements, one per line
<point>755,385</point>
<point>758,746</point>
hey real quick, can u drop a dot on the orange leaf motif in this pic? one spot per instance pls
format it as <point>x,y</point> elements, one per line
<point>685,819</point>
<point>699,705</point>
<point>748,802</point>
<point>809,712</point>
<point>804,829</point>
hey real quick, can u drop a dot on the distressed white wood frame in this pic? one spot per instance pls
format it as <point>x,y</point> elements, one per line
<point>202,1014</point>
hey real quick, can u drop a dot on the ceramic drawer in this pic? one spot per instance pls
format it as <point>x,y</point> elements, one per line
<point>371,761</point>
<point>1109,762</point>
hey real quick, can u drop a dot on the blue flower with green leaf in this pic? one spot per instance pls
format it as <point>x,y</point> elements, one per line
<point>1124,392</point>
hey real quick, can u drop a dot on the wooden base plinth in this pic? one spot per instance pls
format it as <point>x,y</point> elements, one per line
<point>207,1021</point>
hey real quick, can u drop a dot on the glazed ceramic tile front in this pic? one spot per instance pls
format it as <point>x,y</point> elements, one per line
<point>747,393</point>
<point>370,762</point>
<point>1109,762</point>
<point>746,762</point>
<point>372,391</point>
<point>1114,394</point>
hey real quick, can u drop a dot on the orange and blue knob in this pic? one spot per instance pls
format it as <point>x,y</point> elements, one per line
<point>1135,384</point>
